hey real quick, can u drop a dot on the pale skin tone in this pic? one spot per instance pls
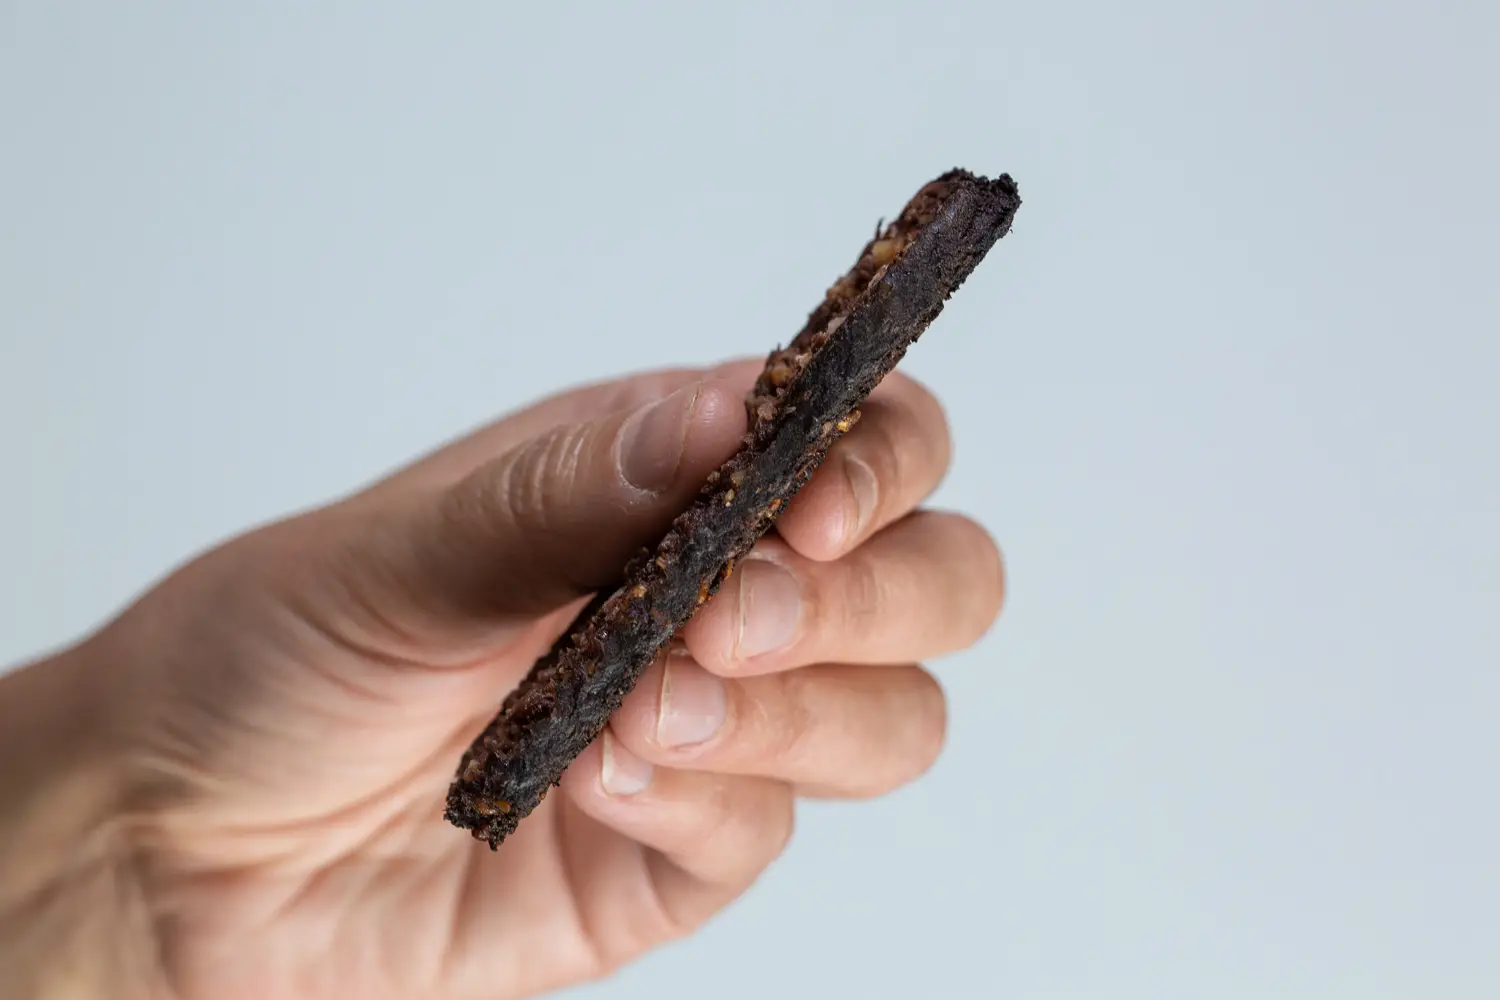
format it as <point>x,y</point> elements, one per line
<point>234,790</point>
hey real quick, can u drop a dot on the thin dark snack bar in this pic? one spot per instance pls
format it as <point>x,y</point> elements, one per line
<point>804,400</point>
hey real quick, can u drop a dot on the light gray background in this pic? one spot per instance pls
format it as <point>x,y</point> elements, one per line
<point>1228,396</point>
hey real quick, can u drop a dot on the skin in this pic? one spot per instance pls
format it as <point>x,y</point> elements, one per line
<point>234,789</point>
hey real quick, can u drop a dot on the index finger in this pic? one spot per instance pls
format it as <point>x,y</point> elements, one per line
<point>888,464</point>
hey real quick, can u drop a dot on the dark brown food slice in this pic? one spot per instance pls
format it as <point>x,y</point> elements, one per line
<point>804,400</point>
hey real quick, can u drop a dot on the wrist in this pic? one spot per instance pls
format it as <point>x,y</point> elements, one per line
<point>72,921</point>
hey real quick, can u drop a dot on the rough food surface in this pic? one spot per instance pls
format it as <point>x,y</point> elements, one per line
<point>805,399</point>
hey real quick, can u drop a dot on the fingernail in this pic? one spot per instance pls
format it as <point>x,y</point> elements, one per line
<point>622,772</point>
<point>862,483</point>
<point>692,704</point>
<point>770,608</point>
<point>652,440</point>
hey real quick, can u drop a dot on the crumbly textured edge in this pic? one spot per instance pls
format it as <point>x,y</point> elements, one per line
<point>804,400</point>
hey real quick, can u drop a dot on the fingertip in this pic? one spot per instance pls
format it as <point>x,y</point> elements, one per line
<point>709,635</point>
<point>912,392</point>
<point>580,782</point>
<point>634,722</point>
<point>816,521</point>
<point>718,425</point>
<point>605,775</point>
<point>893,459</point>
<point>758,618</point>
<point>740,373</point>
<point>621,772</point>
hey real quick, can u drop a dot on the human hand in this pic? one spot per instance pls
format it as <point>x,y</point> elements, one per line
<point>272,729</point>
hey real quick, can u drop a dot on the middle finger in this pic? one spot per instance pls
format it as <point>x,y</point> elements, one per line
<point>928,585</point>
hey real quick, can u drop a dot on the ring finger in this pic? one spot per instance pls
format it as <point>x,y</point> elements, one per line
<point>833,730</point>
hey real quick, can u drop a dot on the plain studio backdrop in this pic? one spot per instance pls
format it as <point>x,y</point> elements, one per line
<point>1229,396</point>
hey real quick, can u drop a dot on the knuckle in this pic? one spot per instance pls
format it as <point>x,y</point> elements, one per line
<point>521,493</point>
<point>755,820</point>
<point>932,724</point>
<point>990,591</point>
<point>913,752</point>
<point>745,824</point>
<point>983,586</point>
<point>756,825</point>
<point>780,821</point>
<point>727,813</point>
<point>551,462</point>
<point>785,718</point>
<point>492,498</point>
<point>462,510</point>
<point>925,724</point>
<point>862,599</point>
<point>716,813</point>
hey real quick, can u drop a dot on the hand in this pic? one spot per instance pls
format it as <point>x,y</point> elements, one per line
<point>271,731</point>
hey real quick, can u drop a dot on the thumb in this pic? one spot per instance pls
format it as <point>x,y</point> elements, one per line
<point>543,524</point>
